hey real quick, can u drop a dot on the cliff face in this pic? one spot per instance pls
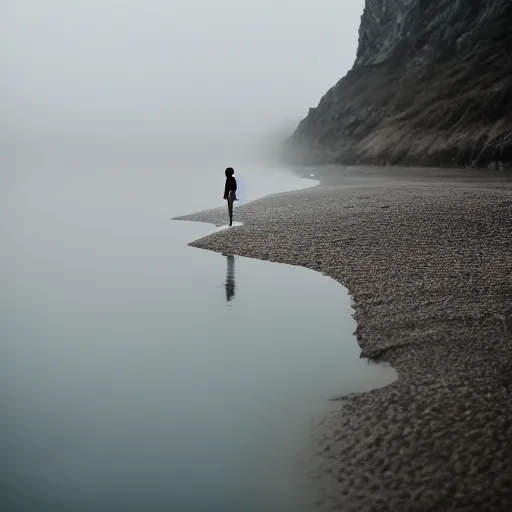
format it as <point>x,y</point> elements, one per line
<point>431,85</point>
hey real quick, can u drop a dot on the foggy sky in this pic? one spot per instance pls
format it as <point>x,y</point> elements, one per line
<point>162,68</point>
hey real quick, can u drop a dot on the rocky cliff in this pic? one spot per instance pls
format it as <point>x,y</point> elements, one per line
<point>431,85</point>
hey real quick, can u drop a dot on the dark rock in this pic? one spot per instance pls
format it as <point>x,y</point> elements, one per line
<point>431,86</point>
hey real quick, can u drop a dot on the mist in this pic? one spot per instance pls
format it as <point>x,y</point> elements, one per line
<point>128,380</point>
<point>165,78</point>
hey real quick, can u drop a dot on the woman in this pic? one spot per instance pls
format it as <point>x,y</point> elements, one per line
<point>230,192</point>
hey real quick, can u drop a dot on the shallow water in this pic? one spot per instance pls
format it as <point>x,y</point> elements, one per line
<point>137,373</point>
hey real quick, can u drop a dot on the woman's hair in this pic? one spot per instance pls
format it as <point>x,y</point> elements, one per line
<point>229,171</point>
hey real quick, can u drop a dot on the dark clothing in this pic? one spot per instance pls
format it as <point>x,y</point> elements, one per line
<point>230,185</point>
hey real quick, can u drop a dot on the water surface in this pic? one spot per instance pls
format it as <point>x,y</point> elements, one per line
<point>137,373</point>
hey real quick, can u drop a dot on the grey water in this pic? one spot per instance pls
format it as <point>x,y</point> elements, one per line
<point>138,373</point>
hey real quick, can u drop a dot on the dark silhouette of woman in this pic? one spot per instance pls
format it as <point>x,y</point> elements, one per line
<point>230,191</point>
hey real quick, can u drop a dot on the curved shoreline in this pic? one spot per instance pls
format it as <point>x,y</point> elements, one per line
<point>425,256</point>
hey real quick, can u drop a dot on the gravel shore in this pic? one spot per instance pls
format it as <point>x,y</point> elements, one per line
<point>427,257</point>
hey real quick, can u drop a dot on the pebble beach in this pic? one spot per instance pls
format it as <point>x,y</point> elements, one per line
<point>426,255</point>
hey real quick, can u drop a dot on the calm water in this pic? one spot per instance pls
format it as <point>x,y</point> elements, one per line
<point>137,373</point>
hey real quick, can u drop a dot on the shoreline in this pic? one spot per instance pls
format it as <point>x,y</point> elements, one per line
<point>425,255</point>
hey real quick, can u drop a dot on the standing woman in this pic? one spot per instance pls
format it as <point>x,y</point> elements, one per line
<point>230,192</point>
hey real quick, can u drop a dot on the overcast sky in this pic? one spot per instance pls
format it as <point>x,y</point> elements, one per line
<point>151,67</point>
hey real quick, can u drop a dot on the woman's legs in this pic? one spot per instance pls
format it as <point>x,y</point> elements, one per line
<point>230,209</point>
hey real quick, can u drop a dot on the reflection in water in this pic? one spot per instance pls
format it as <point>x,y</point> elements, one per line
<point>230,278</point>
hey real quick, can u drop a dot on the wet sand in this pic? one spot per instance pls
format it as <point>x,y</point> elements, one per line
<point>427,257</point>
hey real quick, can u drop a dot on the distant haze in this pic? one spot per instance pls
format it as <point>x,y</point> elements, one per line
<point>160,72</point>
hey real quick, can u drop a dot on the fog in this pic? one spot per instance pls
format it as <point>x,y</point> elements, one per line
<point>164,75</point>
<point>128,381</point>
